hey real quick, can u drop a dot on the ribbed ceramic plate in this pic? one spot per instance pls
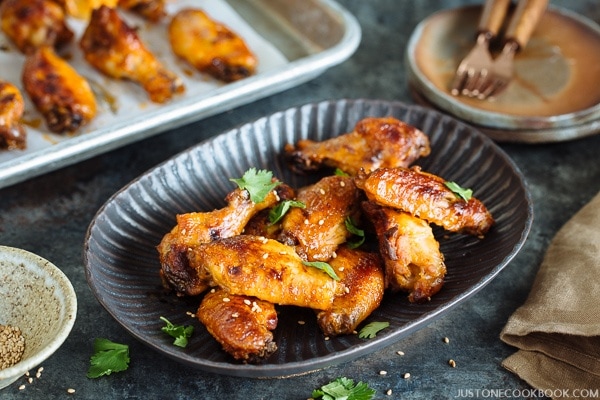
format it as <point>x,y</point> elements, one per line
<point>122,263</point>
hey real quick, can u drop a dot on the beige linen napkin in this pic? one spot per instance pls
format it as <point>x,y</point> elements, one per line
<point>557,330</point>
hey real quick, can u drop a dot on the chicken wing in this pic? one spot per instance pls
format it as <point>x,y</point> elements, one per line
<point>374,143</point>
<point>203,227</point>
<point>362,275</point>
<point>266,269</point>
<point>152,10</point>
<point>82,9</point>
<point>115,49</point>
<point>425,196</point>
<point>318,229</point>
<point>412,257</point>
<point>31,24</point>
<point>12,133</point>
<point>61,95</point>
<point>210,47</point>
<point>241,324</point>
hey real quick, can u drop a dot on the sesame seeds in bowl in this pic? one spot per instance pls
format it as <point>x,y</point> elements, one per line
<point>37,311</point>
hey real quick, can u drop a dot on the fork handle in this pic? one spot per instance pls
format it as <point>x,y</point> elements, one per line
<point>494,12</point>
<point>524,20</point>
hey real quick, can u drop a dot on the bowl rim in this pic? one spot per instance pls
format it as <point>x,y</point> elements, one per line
<point>63,284</point>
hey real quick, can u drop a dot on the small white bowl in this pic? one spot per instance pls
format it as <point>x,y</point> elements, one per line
<point>39,299</point>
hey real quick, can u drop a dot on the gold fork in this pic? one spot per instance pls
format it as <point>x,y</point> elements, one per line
<point>474,69</point>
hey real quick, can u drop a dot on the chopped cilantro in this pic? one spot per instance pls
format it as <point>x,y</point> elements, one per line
<point>463,193</point>
<point>370,330</point>
<point>258,183</point>
<point>323,266</point>
<point>339,172</point>
<point>351,227</point>
<point>108,357</point>
<point>344,389</point>
<point>282,208</point>
<point>179,332</point>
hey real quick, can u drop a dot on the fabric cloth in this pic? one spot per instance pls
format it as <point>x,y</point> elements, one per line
<point>557,329</point>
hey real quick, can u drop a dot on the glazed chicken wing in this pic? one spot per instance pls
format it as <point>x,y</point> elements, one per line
<point>115,49</point>
<point>266,269</point>
<point>61,95</point>
<point>12,133</point>
<point>31,24</point>
<point>362,274</point>
<point>374,143</point>
<point>210,47</point>
<point>82,9</point>
<point>241,324</point>
<point>426,196</point>
<point>318,229</point>
<point>152,10</point>
<point>412,257</point>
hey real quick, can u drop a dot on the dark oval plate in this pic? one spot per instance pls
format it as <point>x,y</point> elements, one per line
<point>122,263</point>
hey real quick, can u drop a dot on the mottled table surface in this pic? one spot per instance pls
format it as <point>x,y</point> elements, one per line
<point>49,215</point>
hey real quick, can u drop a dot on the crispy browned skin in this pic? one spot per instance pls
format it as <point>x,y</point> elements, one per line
<point>115,49</point>
<point>241,324</point>
<point>12,133</point>
<point>210,47</point>
<point>60,94</point>
<point>152,10</point>
<point>266,269</point>
<point>374,143</point>
<point>413,261</point>
<point>202,227</point>
<point>31,24</point>
<point>362,275</point>
<point>426,196</point>
<point>317,230</point>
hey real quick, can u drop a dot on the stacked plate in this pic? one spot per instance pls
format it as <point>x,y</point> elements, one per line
<point>553,97</point>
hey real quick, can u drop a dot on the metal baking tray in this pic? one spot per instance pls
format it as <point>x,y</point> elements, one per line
<point>306,38</point>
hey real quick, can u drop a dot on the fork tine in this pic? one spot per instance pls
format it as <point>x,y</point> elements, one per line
<point>476,82</point>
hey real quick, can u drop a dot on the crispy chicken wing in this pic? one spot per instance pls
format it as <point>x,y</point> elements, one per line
<point>202,227</point>
<point>210,47</point>
<point>426,196</point>
<point>362,275</point>
<point>374,143</point>
<point>413,261</point>
<point>115,49</point>
<point>152,10</point>
<point>12,133</point>
<point>61,95</point>
<point>266,269</point>
<point>31,24</point>
<point>241,324</point>
<point>318,229</point>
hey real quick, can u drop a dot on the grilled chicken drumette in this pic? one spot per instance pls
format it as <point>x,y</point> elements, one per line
<point>426,196</point>
<point>319,228</point>
<point>12,133</point>
<point>152,10</point>
<point>31,24</point>
<point>374,143</point>
<point>115,49</point>
<point>60,94</point>
<point>412,257</point>
<point>210,47</point>
<point>241,324</point>
<point>362,275</point>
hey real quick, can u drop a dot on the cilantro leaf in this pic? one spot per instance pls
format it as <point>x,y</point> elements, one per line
<point>258,183</point>
<point>344,389</point>
<point>463,193</point>
<point>351,227</point>
<point>370,330</point>
<point>340,172</point>
<point>323,266</point>
<point>108,357</point>
<point>282,208</point>
<point>179,332</point>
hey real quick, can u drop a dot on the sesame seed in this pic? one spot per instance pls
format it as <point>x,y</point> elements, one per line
<point>346,289</point>
<point>301,322</point>
<point>400,353</point>
<point>326,337</point>
<point>30,379</point>
<point>342,183</point>
<point>226,299</point>
<point>382,372</point>
<point>38,375</point>
<point>406,375</point>
<point>452,363</point>
<point>213,290</point>
<point>247,302</point>
<point>12,346</point>
<point>276,195</point>
<point>321,222</point>
<point>265,256</point>
<point>235,315</point>
<point>22,387</point>
<point>334,255</point>
<point>389,392</point>
<point>70,390</point>
<point>306,222</point>
<point>446,340</point>
<point>322,191</point>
